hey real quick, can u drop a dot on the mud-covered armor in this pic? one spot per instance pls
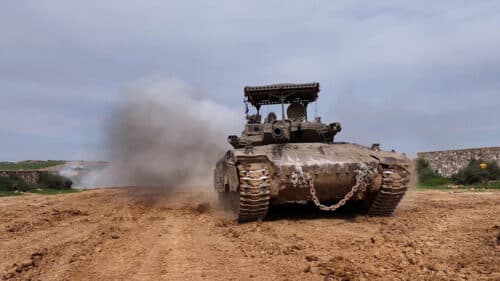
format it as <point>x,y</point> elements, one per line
<point>292,159</point>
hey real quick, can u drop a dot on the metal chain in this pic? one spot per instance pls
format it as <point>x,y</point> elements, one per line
<point>363,178</point>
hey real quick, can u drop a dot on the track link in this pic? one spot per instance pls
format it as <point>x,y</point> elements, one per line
<point>255,191</point>
<point>394,186</point>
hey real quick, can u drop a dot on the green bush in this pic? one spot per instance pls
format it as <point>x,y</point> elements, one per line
<point>30,164</point>
<point>493,171</point>
<point>48,180</point>
<point>13,183</point>
<point>428,177</point>
<point>473,174</point>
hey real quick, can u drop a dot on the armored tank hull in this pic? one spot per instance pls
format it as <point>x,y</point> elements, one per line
<point>252,178</point>
<point>293,159</point>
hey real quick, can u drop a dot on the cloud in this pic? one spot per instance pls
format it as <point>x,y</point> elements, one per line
<point>426,68</point>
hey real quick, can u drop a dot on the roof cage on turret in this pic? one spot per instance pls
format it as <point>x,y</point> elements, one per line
<point>282,93</point>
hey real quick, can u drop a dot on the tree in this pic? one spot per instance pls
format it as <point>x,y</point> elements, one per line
<point>473,173</point>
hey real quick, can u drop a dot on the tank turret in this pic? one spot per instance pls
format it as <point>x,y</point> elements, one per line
<point>292,127</point>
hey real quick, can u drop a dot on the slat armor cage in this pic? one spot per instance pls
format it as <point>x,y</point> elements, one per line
<point>282,93</point>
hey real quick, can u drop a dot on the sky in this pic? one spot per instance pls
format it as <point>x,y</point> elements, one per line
<point>411,75</point>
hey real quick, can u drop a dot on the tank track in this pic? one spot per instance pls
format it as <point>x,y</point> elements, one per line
<point>255,191</point>
<point>394,186</point>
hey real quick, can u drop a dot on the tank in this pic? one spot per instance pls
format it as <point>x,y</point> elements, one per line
<point>290,159</point>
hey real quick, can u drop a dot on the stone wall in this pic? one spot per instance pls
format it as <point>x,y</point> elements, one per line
<point>448,162</point>
<point>29,176</point>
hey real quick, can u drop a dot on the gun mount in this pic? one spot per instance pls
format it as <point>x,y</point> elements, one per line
<point>294,128</point>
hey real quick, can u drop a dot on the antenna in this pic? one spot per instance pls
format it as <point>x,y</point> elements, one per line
<point>282,107</point>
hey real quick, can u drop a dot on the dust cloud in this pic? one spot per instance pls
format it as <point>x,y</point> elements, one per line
<point>164,134</point>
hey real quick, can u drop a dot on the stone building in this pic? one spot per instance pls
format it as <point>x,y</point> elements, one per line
<point>448,162</point>
<point>29,176</point>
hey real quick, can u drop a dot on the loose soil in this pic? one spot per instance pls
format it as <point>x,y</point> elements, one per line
<point>141,234</point>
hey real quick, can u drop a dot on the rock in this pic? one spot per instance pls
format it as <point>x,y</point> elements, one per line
<point>440,267</point>
<point>40,253</point>
<point>115,236</point>
<point>325,270</point>
<point>98,249</point>
<point>27,263</point>
<point>291,249</point>
<point>411,258</point>
<point>410,244</point>
<point>436,267</point>
<point>369,269</point>
<point>307,269</point>
<point>37,256</point>
<point>10,274</point>
<point>311,258</point>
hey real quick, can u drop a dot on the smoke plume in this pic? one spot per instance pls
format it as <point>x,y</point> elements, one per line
<point>165,134</point>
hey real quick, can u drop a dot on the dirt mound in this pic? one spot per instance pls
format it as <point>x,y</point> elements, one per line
<point>118,234</point>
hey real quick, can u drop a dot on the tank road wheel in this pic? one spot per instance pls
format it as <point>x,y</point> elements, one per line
<point>394,186</point>
<point>255,190</point>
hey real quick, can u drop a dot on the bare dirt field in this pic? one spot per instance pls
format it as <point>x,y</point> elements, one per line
<point>137,234</point>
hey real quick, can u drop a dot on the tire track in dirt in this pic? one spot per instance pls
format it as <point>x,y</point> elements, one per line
<point>122,234</point>
<point>199,252</point>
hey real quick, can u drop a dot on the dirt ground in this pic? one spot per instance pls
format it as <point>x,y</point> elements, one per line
<point>138,234</point>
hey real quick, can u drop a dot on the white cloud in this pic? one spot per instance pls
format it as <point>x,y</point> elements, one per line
<point>424,60</point>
